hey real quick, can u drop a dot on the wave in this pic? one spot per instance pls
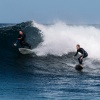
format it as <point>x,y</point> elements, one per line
<point>60,38</point>
<point>57,39</point>
<point>53,40</point>
<point>9,34</point>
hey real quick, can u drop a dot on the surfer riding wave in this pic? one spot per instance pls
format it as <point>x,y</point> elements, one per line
<point>21,40</point>
<point>83,52</point>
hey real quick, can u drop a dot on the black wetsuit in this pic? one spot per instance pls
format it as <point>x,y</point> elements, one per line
<point>22,41</point>
<point>84,55</point>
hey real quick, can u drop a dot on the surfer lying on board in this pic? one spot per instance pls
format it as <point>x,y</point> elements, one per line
<point>21,40</point>
<point>83,52</point>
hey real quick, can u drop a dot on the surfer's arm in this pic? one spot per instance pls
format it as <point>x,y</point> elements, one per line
<point>76,53</point>
<point>19,38</point>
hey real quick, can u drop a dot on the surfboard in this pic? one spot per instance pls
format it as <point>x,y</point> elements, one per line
<point>25,51</point>
<point>78,67</point>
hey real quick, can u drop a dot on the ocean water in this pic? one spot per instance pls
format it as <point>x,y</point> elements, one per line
<point>50,73</point>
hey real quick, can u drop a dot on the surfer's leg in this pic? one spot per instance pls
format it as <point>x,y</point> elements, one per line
<point>85,56</point>
<point>22,44</point>
<point>28,45</point>
<point>80,60</point>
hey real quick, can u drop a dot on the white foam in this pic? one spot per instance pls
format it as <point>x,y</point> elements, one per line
<point>60,38</point>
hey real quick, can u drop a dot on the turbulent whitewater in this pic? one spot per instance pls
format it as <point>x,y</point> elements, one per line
<point>60,39</point>
<point>50,73</point>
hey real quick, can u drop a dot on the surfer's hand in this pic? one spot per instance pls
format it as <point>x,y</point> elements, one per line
<point>15,44</point>
<point>19,38</point>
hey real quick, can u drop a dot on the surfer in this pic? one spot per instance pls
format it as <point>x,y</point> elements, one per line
<point>83,52</point>
<point>21,40</point>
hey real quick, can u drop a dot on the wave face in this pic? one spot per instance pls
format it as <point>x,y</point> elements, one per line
<point>57,39</point>
<point>60,39</point>
<point>9,34</point>
<point>50,74</point>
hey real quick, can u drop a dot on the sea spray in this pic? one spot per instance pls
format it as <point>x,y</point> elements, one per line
<point>60,38</point>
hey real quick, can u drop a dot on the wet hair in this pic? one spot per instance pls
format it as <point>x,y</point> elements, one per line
<point>78,45</point>
<point>21,30</point>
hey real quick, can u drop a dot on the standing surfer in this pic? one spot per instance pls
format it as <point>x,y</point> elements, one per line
<point>21,40</point>
<point>83,52</point>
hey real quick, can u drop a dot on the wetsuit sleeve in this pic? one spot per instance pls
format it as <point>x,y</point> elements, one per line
<point>22,37</point>
<point>76,53</point>
<point>18,36</point>
<point>83,53</point>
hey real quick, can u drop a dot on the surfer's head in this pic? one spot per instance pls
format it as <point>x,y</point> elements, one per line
<point>20,32</point>
<point>77,46</point>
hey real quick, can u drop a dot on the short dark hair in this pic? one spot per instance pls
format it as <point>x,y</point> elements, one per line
<point>78,45</point>
<point>21,30</point>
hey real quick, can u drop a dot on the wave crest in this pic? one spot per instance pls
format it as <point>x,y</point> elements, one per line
<point>60,39</point>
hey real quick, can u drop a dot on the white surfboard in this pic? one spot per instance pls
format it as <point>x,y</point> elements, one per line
<point>25,51</point>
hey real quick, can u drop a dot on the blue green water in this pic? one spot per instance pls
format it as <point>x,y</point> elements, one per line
<point>24,77</point>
